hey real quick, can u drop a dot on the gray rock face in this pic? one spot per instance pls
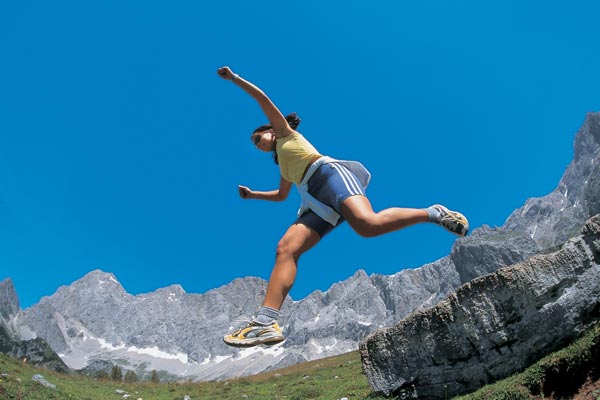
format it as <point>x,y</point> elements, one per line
<point>9,302</point>
<point>35,351</point>
<point>492,326</point>
<point>488,249</point>
<point>413,289</point>
<point>552,219</point>
<point>9,310</point>
<point>42,381</point>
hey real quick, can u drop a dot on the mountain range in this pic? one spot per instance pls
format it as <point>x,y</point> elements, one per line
<point>94,322</point>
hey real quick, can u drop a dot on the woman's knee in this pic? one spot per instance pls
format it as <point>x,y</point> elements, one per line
<point>297,240</point>
<point>284,248</point>
<point>365,226</point>
<point>358,212</point>
<point>289,246</point>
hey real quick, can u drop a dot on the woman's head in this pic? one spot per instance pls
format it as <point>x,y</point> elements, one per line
<point>264,137</point>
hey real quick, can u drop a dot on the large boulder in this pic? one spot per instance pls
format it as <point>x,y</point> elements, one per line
<point>491,327</point>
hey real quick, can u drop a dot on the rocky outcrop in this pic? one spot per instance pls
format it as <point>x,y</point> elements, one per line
<point>9,302</point>
<point>35,351</point>
<point>491,327</point>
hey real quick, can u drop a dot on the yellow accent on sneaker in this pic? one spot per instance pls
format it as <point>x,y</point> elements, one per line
<point>255,334</point>
<point>453,221</point>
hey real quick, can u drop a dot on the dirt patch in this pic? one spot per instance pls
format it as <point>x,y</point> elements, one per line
<point>589,391</point>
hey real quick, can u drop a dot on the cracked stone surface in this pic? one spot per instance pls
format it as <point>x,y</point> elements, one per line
<point>491,327</point>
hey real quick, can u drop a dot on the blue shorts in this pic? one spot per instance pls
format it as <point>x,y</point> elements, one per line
<point>331,184</point>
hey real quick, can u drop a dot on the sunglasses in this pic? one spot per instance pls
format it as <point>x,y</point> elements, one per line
<point>257,138</point>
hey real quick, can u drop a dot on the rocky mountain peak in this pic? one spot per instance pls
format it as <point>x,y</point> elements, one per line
<point>590,136</point>
<point>93,285</point>
<point>99,279</point>
<point>169,294</point>
<point>552,219</point>
<point>171,289</point>
<point>9,302</point>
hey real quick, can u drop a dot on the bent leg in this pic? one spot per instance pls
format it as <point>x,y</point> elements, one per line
<point>298,239</point>
<point>357,210</point>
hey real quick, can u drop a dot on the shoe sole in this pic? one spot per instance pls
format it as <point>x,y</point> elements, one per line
<point>254,342</point>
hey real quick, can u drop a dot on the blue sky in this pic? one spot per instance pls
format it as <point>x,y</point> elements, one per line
<point>121,149</point>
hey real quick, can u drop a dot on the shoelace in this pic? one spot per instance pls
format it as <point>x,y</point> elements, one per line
<point>244,321</point>
<point>450,216</point>
<point>451,219</point>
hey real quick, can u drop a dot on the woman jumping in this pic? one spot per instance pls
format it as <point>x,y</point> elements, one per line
<point>332,191</point>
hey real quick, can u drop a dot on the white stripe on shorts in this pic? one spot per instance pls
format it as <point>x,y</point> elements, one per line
<point>349,180</point>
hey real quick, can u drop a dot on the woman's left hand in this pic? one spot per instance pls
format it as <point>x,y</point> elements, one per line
<point>244,191</point>
<point>225,73</point>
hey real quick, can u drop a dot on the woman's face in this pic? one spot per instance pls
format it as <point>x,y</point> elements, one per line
<point>264,140</point>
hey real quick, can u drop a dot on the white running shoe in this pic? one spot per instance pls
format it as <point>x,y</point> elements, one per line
<point>453,221</point>
<point>255,334</point>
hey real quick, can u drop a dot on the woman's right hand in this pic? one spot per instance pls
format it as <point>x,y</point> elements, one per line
<point>245,192</point>
<point>225,73</point>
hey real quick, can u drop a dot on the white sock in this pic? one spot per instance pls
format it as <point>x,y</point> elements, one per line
<point>266,316</point>
<point>434,214</point>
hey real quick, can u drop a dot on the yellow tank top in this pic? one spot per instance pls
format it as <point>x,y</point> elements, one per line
<point>294,153</point>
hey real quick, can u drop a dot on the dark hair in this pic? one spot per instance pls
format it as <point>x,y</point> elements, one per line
<point>292,119</point>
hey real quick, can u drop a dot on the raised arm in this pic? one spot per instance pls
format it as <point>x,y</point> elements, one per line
<point>273,195</point>
<point>275,117</point>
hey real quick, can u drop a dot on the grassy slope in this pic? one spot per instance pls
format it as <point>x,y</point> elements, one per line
<point>558,375</point>
<point>330,378</point>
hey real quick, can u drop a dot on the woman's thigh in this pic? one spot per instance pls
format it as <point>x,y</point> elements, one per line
<point>298,239</point>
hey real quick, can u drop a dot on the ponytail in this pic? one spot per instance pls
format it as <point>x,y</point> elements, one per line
<point>293,120</point>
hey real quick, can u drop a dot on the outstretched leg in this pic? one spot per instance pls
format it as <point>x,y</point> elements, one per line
<point>357,210</point>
